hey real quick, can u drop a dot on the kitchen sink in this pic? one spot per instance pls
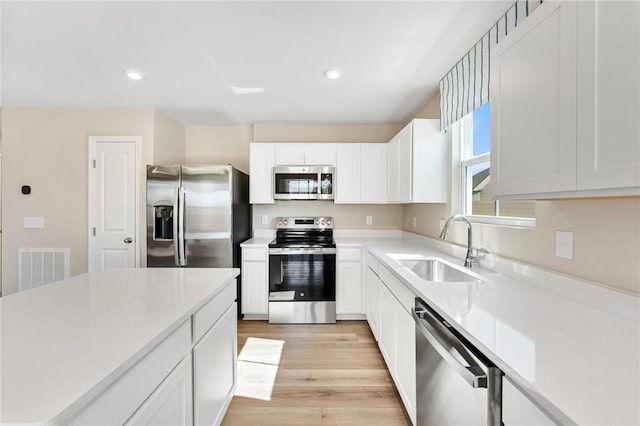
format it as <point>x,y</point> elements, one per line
<point>437,270</point>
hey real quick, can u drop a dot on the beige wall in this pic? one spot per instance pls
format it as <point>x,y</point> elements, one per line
<point>606,235</point>
<point>431,109</point>
<point>170,139</point>
<point>47,148</point>
<point>219,145</point>
<point>345,216</point>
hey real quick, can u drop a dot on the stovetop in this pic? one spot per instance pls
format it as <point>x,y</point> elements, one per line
<point>307,232</point>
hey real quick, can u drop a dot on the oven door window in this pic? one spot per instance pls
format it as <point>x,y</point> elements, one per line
<point>296,183</point>
<point>306,277</point>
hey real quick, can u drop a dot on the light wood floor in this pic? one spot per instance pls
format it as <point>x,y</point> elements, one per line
<point>328,374</point>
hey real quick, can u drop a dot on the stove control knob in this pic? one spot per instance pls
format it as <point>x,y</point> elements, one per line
<point>317,222</point>
<point>328,222</point>
<point>286,222</point>
<point>279,222</point>
<point>322,223</point>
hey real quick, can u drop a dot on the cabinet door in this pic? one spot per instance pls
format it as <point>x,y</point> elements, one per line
<point>393,172</point>
<point>387,326</point>
<point>533,104</point>
<point>349,300</point>
<point>430,162</point>
<point>289,154</point>
<point>347,173</point>
<point>373,172</point>
<point>608,94</point>
<point>405,169</point>
<point>214,370</point>
<point>171,404</point>
<point>262,160</point>
<point>255,288</point>
<point>320,154</point>
<point>373,309</point>
<point>405,354</point>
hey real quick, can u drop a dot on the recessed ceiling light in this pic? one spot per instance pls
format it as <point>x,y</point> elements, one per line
<point>134,75</point>
<point>332,74</point>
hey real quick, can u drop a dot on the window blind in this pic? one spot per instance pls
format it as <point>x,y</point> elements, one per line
<point>466,86</point>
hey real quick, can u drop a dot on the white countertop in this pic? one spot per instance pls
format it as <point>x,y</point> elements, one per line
<point>257,242</point>
<point>67,340</point>
<point>584,361</point>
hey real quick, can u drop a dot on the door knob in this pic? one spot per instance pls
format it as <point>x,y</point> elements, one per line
<point>128,240</point>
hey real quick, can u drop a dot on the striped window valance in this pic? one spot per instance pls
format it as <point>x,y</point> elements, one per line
<point>466,86</point>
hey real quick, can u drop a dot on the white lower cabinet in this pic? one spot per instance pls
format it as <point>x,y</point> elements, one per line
<point>349,297</point>
<point>172,403</point>
<point>518,410</point>
<point>373,307</point>
<point>255,282</point>
<point>397,344</point>
<point>186,379</point>
<point>214,370</point>
<point>405,353</point>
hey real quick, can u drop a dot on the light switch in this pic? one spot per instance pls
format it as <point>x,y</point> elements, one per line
<point>564,244</point>
<point>34,222</point>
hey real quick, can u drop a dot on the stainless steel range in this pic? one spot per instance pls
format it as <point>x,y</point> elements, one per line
<point>302,271</point>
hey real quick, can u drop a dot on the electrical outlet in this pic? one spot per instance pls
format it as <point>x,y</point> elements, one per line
<point>415,221</point>
<point>265,219</point>
<point>564,244</point>
<point>33,222</point>
<point>369,220</point>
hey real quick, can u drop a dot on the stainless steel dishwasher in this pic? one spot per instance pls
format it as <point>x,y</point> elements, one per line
<point>455,384</point>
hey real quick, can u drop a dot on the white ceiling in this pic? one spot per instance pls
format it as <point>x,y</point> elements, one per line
<point>392,55</point>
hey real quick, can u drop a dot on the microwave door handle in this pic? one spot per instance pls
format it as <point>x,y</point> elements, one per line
<point>444,343</point>
<point>176,214</point>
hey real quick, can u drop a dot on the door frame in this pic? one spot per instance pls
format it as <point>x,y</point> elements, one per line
<point>93,141</point>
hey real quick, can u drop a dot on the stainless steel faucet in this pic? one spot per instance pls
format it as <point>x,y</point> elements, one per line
<point>472,255</point>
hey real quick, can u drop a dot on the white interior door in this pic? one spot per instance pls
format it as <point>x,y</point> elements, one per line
<point>113,198</point>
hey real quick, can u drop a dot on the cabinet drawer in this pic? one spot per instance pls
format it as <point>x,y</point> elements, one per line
<point>349,254</point>
<point>372,263</point>
<point>122,399</point>
<point>213,310</point>
<point>254,254</point>
<point>399,290</point>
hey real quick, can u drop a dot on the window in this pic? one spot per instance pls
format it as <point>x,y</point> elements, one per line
<point>475,176</point>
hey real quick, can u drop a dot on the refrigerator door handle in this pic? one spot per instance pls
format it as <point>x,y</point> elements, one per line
<point>181,220</point>
<point>176,220</point>
<point>446,345</point>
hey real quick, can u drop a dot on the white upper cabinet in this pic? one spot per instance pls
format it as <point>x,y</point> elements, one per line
<point>348,181</point>
<point>298,154</point>
<point>320,154</point>
<point>533,104</point>
<point>360,173</point>
<point>417,164</point>
<point>373,172</point>
<point>565,102</point>
<point>261,162</point>
<point>608,94</point>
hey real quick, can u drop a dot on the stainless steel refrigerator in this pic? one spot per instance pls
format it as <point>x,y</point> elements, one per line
<point>197,216</point>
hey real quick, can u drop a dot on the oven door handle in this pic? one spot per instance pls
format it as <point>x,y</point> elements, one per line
<point>299,250</point>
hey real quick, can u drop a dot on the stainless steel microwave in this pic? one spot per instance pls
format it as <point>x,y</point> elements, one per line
<point>304,183</point>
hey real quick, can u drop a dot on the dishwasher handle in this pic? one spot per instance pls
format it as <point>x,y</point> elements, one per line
<point>446,343</point>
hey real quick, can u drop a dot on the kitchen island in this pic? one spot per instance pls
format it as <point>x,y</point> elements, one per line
<point>121,346</point>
